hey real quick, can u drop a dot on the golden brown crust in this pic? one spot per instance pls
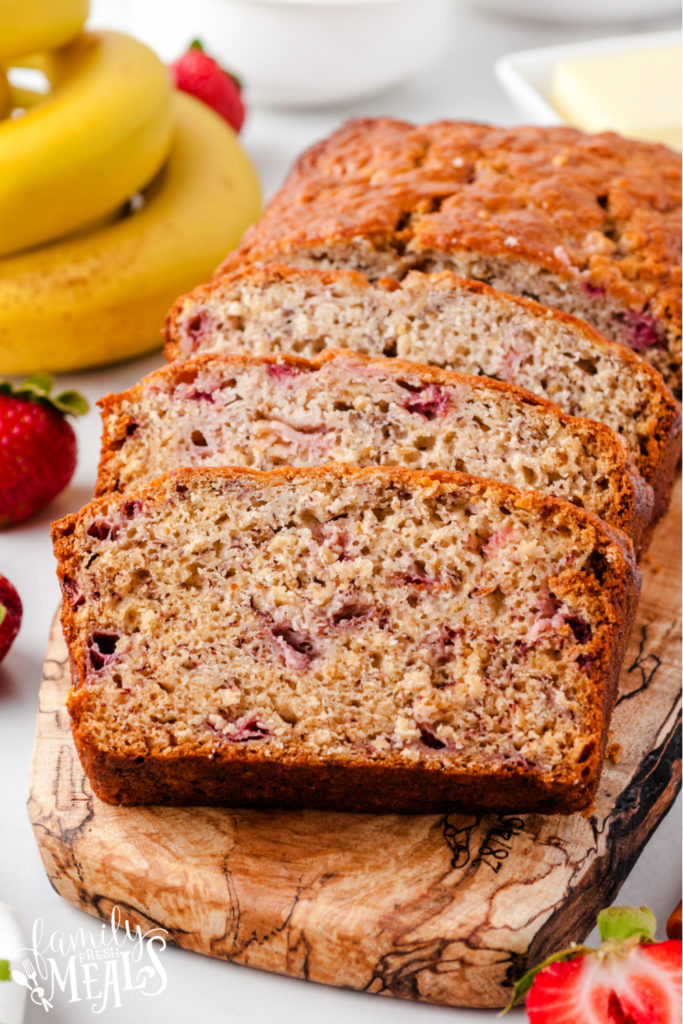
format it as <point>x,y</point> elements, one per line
<point>660,452</point>
<point>238,777</point>
<point>375,788</point>
<point>632,512</point>
<point>599,210</point>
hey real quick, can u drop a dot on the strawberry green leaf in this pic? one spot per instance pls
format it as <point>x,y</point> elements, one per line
<point>70,402</point>
<point>524,984</point>
<point>37,388</point>
<point>196,44</point>
<point>39,383</point>
<point>620,923</point>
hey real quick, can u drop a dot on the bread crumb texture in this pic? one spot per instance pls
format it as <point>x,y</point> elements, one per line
<point>446,321</point>
<point>346,616</point>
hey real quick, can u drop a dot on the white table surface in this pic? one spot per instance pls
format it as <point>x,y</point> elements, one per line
<point>461,85</point>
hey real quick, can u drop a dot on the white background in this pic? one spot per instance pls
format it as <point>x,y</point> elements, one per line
<point>460,85</point>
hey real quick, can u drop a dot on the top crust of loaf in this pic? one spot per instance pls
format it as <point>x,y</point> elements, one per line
<point>599,210</point>
<point>370,174</point>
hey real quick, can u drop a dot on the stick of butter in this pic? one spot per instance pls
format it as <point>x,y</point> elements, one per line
<point>636,93</point>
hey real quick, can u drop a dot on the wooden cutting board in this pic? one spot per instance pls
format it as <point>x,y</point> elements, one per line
<point>445,909</point>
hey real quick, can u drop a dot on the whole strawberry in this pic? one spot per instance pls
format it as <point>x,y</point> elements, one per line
<point>630,979</point>
<point>197,73</point>
<point>10,615</point>
<point>37,445</point>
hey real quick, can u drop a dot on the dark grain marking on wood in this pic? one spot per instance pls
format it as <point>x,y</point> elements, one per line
<point>656,773</point>
<point>56,673</point>
<point>398,971</point>
<point>233,917</point>
<point>640,662</point>
<point>458,838</point>
<point>497,842</point>
<point>102,907</point>
<point>277,929</point>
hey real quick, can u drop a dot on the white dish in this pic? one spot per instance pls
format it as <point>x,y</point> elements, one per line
<point>303,53</point>
<point>527,75</point>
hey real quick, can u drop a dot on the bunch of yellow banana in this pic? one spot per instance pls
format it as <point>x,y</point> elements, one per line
<point>85,276</point>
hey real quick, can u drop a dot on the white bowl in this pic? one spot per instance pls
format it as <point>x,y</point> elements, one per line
<point>595,11</point>
<point>527,75</point>
<point>304,53</point>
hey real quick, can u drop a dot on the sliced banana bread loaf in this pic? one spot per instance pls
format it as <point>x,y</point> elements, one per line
<point>373,639</point>
<point>448,321</point>
<point>268,411</point>
<point>590,224</point>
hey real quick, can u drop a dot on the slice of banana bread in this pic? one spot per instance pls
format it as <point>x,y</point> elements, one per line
<point>448,321</point>
<point>268,411</point>
<point>590,224</point>
<point>375,639</point>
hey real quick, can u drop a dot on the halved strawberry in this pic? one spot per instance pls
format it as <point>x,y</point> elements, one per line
<point>629,980</point>
<point>639,985</point>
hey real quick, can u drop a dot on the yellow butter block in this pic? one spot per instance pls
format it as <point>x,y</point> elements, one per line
<point>636,93</point>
